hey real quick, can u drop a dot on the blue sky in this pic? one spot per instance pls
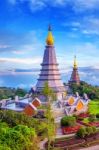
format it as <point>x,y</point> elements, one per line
<point>23,30</point>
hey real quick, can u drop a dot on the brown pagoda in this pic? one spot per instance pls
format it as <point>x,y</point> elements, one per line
<point>75,76</point>
<point>50,72</point>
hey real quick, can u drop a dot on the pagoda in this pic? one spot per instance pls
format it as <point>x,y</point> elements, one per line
<point>49,72</point>
<point>75,76</point>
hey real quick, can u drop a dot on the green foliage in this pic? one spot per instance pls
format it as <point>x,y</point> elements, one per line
<point>68,121</point>
<point>92,118</point>
<point>19,137</point>
<point>20,92</point>
<point>86,120</point>
<point>24,130</point>
<point>91,91</point>
<point>94,129</point>
<point>4,147</point>
<point>85,131</point>
<point>14,118</point>
<point>50,126</point>
<point>97,115</point>
<point>48,92</point>
<point>81,132</point>
<point>6,93</point>
<point>89,130</point>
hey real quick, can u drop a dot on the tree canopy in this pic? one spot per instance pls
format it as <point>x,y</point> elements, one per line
<point>91,91</point>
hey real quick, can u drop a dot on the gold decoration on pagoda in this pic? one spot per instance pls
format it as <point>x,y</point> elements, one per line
<point>50,39</point>
<point>75,63</point>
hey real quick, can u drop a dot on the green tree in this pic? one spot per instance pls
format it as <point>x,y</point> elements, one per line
<point>91,91</point>
<point>50,96</point>
<point>17,138</point>
<point>4,147</point>
<point>48,93</point>
<point>20,92</point>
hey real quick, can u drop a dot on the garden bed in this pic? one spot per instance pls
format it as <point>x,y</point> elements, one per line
<point>83,115</point>
<point>96,124</point>
<point>75,142</point>
<point>70,130</point>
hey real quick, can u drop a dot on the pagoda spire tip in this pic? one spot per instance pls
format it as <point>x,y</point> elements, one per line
<point>50,39</point>
<point>75,62</point>
<point>49,27</point>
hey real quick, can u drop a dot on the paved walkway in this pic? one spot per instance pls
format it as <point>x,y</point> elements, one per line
<point>91,148</point>
<point>42,144</point>
<point>65,136</point>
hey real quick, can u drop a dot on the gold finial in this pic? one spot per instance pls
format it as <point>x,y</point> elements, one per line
<point>50,39</point>
<point>75,63</point>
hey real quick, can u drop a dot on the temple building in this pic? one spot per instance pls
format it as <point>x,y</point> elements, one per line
<point>75,76</point>
<point>49,71</point>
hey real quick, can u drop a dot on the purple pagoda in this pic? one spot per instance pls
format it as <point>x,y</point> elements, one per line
<point>75,76</point>
<point>50,72</point>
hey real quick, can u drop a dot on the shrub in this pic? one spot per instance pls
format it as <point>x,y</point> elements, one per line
<point>81,132</point>
<point>97,115</point>
<point>92,118</point>
<point>89,130</point>
<point>68,121</point>
<point>85,131</point>
<point>94,129</point>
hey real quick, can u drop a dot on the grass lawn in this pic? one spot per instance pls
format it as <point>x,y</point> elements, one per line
<point>94,107</point>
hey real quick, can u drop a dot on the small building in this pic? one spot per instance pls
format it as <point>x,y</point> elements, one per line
<point>30,110</point>
<point>71,105</point>
<point>36,102</point>
<point>76,105</point>
<point>27,105</point>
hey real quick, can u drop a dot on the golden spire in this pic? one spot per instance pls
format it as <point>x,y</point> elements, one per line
<point>50,39</point>
<point>75,63</point>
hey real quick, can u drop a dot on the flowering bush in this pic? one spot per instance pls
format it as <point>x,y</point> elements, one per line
<point>83,115</point>
<point>69,130</point>
<point>96,124</point>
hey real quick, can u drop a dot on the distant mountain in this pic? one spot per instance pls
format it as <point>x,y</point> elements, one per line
<point>26,70</point>
<point>28,77</point>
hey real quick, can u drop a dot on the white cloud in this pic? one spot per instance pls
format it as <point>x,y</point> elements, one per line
<point>82,5</point>
<point>23,86</point>
<point>27,61</point>
<point>18,52</point>
<point>78,5</point>
<point>3,46</point>
<point>90,25</point>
